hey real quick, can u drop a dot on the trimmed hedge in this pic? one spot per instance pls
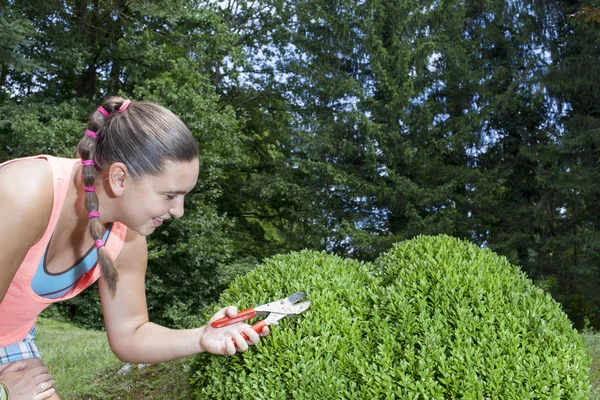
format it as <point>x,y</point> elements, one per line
<point>434,318</point>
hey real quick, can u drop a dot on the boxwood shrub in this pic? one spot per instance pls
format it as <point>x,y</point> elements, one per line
<point>434,318</point>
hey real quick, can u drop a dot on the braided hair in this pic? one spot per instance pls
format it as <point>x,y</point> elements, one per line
<point>141,135</point>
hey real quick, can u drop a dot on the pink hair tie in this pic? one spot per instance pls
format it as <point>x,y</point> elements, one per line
<point>103,111</point>
<point>99,243</point>
<point>93,214</point>
<point>87,162</point>
<point>126,104</point>
<point>91,134</point>
<point>89,188</point>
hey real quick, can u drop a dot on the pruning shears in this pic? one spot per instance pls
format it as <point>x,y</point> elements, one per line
<point>277,310</point>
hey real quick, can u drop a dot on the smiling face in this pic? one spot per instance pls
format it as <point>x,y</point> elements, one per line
<point>147,201</point>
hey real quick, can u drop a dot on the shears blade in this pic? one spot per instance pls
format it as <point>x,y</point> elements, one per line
<point>277,310</point>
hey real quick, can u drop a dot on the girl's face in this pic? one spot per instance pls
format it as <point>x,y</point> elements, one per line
<point>148,201</point>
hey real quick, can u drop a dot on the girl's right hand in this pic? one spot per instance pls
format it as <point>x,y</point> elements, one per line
<point>27,384</point>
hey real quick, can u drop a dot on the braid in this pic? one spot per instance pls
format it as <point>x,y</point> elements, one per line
<point>87,151</point>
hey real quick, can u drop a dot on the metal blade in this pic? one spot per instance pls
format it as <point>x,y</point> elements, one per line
<point>301,307</point>
<point>274,317</point>
<point>296,296</point>
<point>284,306</point>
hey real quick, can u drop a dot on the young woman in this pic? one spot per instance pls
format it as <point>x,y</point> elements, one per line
<point>69,222</point>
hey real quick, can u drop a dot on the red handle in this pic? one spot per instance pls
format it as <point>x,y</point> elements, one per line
<point>258,327</point>
<point>242,316</point>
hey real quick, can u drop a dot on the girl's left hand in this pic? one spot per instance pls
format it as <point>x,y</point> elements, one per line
<point>219,340</point>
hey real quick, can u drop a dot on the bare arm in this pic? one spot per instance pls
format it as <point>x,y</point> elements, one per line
<point>131,336</point>
<point>26,194</point>
<point>134,339</point>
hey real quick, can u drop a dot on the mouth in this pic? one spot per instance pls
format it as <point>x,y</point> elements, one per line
<point>157,221</point>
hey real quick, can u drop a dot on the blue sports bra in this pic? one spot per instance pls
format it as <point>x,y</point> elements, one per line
<point>51,286</point>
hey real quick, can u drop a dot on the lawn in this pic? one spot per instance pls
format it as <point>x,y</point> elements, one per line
<point>592,342</point>
<point>84,367</point>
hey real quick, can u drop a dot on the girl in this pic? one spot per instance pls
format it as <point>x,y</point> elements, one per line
<point>69,222</point>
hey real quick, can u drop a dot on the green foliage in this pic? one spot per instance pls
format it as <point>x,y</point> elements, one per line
<point>303,353</point>
<point>199,245</point>
<point>567,249</point>
<point>12,37</point>
<point>587,14</point>
<point>434,317</point>
<point>185,260</point>
<point>185,257</point>
<point>84,310</point>
<point>482,322</point>
<point>337,125</point>
<point>86,368</point>
<point>41,127</point>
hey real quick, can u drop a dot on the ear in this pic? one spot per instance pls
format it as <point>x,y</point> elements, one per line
<point>117,178</point>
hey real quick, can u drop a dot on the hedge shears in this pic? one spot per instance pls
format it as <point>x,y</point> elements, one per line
<point>277,310</point>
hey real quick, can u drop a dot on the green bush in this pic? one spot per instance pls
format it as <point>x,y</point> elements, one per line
<point>467,324</point>
<point>434,318</point>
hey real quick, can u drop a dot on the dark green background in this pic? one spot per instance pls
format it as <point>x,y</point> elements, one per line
<point>342,126</point>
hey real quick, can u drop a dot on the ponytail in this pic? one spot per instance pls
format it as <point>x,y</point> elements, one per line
<point>87,151</point>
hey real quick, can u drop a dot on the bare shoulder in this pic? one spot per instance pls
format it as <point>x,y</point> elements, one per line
<point>26,193</point>
<point>27,177</point>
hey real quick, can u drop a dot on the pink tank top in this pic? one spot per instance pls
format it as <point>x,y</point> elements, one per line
<point>21,306</point>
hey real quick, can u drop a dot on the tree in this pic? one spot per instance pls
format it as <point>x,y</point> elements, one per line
<point>572,250</point>
<point>140,51</point>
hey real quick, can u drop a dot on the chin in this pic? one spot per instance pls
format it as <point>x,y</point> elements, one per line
<point>143,230</point>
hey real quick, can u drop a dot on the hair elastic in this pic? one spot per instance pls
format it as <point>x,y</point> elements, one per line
<point>123,107</point>
<point>91,134</point>
<point>89,188</point>
<point>103,111</point>
<point>87,162</point>
<point>99,243</point>
<point>93,214</point>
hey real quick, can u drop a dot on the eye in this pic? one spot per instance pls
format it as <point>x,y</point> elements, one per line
<point>171,196</point>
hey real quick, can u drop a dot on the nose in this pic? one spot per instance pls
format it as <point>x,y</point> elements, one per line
<point>177,210</point>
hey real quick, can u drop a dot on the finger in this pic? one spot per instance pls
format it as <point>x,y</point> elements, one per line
<point>231,311</point>
<point>45,394</point>
<point>265,331</point>
<point>240,341</point>
<point>223,312</point>
<point>45,379</point>
<point>38,371</point>
<point>45,385</point>
<point>15,366</point>
<point>253,337</point>
<point>217,315</point>
<point>229,345</point>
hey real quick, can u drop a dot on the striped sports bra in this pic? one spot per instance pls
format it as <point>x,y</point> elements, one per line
<point>51,286</point>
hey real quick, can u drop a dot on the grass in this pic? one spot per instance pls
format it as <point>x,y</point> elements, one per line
<point>84,367</point>
<point>592,343</point>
